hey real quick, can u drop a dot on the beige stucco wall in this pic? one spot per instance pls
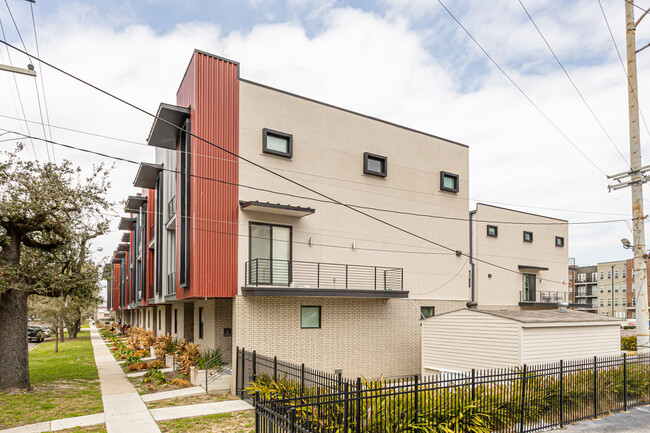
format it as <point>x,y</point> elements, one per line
<point>328,147</point>
<point>462,340</point>
<point>503,289</point>
<point>363,337</point>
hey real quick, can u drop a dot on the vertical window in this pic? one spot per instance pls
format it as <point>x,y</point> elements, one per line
<point>601,275</point>
<point>310,317</point>
<point>616,302</point>
<point>594,276</point>
<point>158,256</point>
<point>427,312</point>
<point>624,273</point>
<point>570,277</point>
<point>201,323</point>
<point>277,143</point>
<point>615,274</point>
<point>609,275</point>
<point>624,302</point>
<point>616,288</point>
<point>602,302</point>
<point>528,288</point>
<point>609,302</point>
<point>559,241</point>
<point>528,236</point>
<point>448,182</point>
<point>609,289</point>
<point>376,165</point>
<point>493,231</point>
<point>159,320</point>
<point>148,319</point>
<point>270,254</point>
<point>185,189</point>
<point>175,321</point>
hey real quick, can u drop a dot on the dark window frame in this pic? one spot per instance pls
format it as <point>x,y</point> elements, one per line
<point>496,231</point>
<point>185,147</point>
<point>250,244</point>
<point>277,134</point>
<point>159,314</point>
<point>383,159</point>
<point>531,236</point>
<point>201,319</point>
<point>320,316</point>
<point>158,224</point>
<point>175,320</point>
<point>443,175</point>
<point>426,316</point>
<point>559,241</point>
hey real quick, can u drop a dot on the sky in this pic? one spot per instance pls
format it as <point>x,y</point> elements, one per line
<point>404,61</point>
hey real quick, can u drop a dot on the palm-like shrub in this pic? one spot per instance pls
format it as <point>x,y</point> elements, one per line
<point>161,345</point>
<point>186,355</point>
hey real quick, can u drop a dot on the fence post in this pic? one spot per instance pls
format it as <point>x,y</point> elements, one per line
<point>257,416</point>
<point>275,368</point>
<point>254,365</point>
<point>243,362</point>
<point>206,378</point>
<point>340,381</point>
<point>302,379</point>
<point>237,371</point>
<point>624,381</point>
<point>358,428</point>
<point>561,393</point>
<point>346,408</point>
<point>595,387</point>
<point>292,419</point>
<point>523,399</point>
<point>417,400</point>
<point>473,385</point>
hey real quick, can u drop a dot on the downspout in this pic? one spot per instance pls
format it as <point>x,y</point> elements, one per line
<point>472,303</point>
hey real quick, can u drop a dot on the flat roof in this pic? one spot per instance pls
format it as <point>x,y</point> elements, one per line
<point>166,124</point>
<point>548,316</point>
<point>123,247</point>
<point>276,208</point>
<point>519,211</point>
<point>147,175</point>
<point>126,223</point>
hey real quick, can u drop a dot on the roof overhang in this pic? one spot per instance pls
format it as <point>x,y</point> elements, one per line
<point>164,130</point>
<point>118,256</point>
<point>126,237</point>
<point>147,175</point>
<point>134,202</point>
<point>123,247</point>
<point>126,223</point>
<point>276,208</point>
<point>532,268</point>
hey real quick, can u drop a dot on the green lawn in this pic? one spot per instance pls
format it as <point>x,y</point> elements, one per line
<point>64,385</point>
<point>235,422</point>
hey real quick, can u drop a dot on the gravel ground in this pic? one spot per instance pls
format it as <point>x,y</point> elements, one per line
<point>637,420</point>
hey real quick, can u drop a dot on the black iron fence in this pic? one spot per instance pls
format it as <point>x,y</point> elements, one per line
<point>543,296</point>
<point>527,399</point>
<point>293,273</point>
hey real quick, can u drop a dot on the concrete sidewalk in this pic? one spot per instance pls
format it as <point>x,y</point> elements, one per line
<point>124,410</point>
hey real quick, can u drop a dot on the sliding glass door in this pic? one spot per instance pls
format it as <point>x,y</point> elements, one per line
<point>270,254</point>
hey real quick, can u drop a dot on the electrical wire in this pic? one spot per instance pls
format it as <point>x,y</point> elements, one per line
<point>130,161</point>
<point>525,95</point>
<point>539,31</point>
<point>268,170</point>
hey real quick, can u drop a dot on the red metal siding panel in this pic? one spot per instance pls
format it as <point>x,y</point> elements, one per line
<point>211,88</point>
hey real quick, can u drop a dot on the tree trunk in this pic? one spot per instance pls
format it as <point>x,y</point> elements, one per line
<point>14,357</point>
<point>73,328</point>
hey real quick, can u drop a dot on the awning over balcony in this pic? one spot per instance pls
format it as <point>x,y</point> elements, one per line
<point>532,268</point>
<point>118,256</point>
<point>276,208</point>
<point>123,247</point>
<point>147,175</point>
<point>164,130</point>
<point>134,202</point>
<point>126,237</point>
<point>126,223</point>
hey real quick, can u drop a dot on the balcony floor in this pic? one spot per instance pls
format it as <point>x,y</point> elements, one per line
<point>332,293</point>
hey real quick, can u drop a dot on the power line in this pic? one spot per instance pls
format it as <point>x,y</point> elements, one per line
<point>268,170</point>
<point>572,82</point>
<point>548,119</point>
<point>425,215</point>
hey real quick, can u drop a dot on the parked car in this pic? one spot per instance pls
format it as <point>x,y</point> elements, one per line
<point>35,334</point>
<point>47,331</point>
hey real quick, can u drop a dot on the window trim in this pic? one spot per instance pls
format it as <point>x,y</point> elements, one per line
<point>265,149</point>
<point>496,231</point>
<point>320,316</point>
<point>531,236</point>
<point>383,159</point>
<point>559,241</point>
<point>456,177</point>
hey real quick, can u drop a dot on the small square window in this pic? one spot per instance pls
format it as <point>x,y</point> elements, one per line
<point>277,143</point>
<point>427,312</point>
<point>448,181</point>
<point>493,231</point>
<point>310,317</point>
<point>375,164</point>
<point>559,241</point>
<point>528,236</point>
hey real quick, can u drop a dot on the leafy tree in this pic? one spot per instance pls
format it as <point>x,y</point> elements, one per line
<point>45,209</point>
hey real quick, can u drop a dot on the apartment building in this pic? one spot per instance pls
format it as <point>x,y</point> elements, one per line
<point>612,288</point>
<point>535,247</point>
<point>585,288</point>
<point>272,251</point>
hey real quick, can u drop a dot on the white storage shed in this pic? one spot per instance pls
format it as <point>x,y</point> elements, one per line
<point>465,339</point>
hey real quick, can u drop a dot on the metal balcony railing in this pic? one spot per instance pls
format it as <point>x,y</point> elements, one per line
<point>171,284</point>
<point>152,232</point>
<point>542,296</point>
<point>171,209</point>
<point>299,274</point>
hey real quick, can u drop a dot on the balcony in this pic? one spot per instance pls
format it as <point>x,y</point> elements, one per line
<point>171,214</point>
<point>266,277</point>
<point>171,284</point>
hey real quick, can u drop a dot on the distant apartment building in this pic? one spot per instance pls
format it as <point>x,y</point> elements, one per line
<point>219,250</point>
<point>612,288</point>
<point>585,288</point>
